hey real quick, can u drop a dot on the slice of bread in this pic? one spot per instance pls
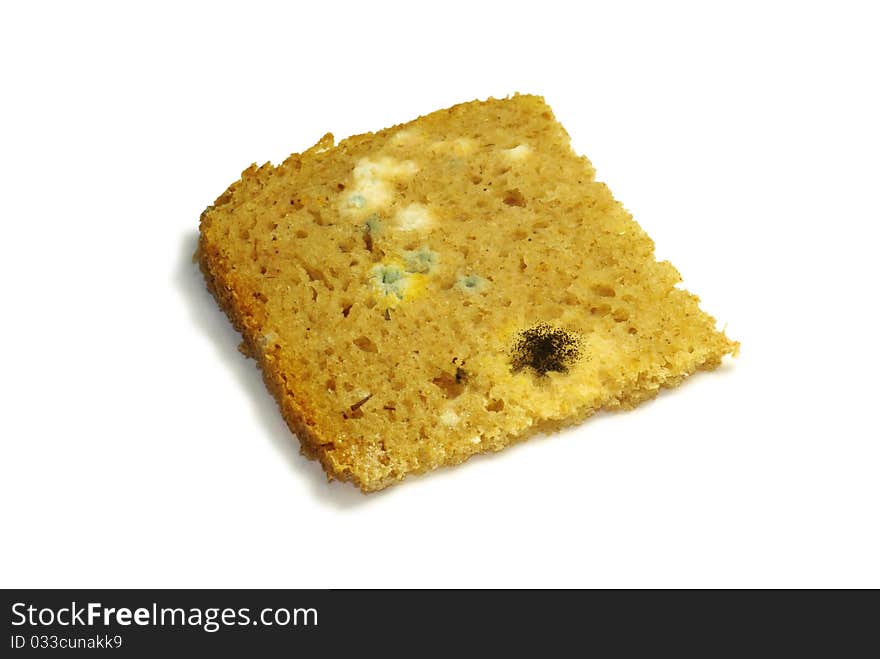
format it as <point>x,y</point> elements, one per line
<point>446,287</point>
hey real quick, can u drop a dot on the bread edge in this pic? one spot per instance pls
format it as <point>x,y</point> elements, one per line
<point>300,419</point>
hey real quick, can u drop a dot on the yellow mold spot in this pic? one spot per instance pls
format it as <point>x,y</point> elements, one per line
<point>392,284</point>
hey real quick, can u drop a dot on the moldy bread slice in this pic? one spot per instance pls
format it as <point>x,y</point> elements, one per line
<point>446,287</point>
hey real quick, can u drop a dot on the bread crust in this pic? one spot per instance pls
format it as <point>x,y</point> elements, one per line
<point>295,409</point>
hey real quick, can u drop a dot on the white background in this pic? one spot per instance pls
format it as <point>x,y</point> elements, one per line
<point>139,448</point>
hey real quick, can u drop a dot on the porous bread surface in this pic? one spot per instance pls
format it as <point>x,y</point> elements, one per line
<point>446,287</point>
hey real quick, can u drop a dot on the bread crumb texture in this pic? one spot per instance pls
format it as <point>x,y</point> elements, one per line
<point>446,287</point>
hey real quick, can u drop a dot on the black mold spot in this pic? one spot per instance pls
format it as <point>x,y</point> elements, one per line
<point>544,348</point>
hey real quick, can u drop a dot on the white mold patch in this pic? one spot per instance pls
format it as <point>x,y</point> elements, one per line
<point>519,152</point>
<point>372,187</point>
<point>450,418</point>
<point>406,136</point>
<point>268,339</point>
<point>460,146</point>
<point>415,217</point>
